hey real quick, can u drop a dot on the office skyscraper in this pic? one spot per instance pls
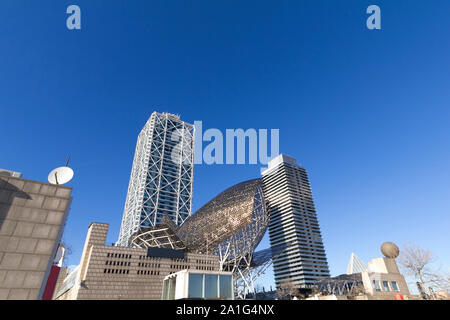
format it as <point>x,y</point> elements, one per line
<point>293,221</point>
<point>162,175</point>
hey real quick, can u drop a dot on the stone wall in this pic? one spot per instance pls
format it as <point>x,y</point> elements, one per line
<point>32,216</point>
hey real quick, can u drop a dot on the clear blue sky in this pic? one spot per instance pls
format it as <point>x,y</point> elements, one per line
<point>366,112</point>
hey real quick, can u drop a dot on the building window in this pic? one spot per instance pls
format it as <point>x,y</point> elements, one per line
<point>211,290</point>
<point>172,285</point>
<point>394,286</point>
<point>195,285</point>
<point>226,290</point>
<point>166,289</point>
<point>376,285</point>
<point>386,286</point>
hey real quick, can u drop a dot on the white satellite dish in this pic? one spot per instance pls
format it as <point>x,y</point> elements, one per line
<point>60,175</point>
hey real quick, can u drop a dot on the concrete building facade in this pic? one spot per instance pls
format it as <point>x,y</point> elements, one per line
<point>32,217</point>
<point>115,273</point>
<point>383,279</point>
<point>293,221</point>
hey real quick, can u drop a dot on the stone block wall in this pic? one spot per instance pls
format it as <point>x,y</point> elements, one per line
<point>32,216</point>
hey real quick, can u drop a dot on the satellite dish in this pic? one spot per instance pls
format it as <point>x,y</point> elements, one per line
<point>60,175</point>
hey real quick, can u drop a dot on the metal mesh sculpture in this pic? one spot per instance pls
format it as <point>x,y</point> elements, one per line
<point>160,236</point>
<point>231,226</point>
<point>236,215</point>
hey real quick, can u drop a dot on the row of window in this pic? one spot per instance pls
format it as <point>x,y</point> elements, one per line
<point>117,271</point>
<point>178,266</point>
<point>118,255</point>
<point>148,258</point>
<point>386,287</point>
<point>117,263</point>
<point>151,265</point>
<point>148,272</point>
<point>205,268</point>
<point>203,261</point>
<point>124,271</point>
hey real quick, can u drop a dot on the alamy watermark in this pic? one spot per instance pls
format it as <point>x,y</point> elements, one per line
<point>73,21</point>
<point>212,146</point>
<point>374,20</point>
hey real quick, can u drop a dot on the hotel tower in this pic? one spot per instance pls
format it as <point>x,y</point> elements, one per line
<point>162,175</point>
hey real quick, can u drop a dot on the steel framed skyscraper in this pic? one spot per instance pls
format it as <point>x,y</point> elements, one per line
<point>162,175</point>
<point>293,221</point>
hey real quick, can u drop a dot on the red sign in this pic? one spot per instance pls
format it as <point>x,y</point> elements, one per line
<point>398,296</point>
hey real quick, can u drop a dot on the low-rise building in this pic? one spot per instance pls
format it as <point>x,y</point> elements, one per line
<point>383,279</point>
<point>380,280</point>
<point>114,272</point>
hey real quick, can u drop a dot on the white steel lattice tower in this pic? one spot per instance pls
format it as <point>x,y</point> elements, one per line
<point>293,221</point>
<point>162,175</point>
